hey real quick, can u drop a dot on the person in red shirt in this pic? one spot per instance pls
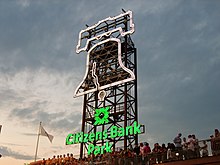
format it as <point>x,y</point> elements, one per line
<point>146,149</point>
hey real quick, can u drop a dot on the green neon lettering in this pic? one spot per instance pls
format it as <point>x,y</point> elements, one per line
<point>108,147</point>
<point>81,137</point>
<point>105,135</point>
<point>77,137</point>
<point>90,148</point>
<point>121,131</point>
<point>97,150</point>
<point>114,132</point>
<point>129,130</point>
<point>137,128</point>
<point>70,139</point>
<point>91,137</point>
<point>85,139</point>
<point>98,136</point>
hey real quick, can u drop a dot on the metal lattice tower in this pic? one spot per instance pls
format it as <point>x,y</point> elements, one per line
<point>111,67</point>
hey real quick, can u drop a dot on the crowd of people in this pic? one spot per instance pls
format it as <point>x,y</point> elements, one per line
<point>180,149</point>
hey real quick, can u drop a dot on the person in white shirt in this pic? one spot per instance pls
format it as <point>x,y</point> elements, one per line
<point>204,149</point>
<point>191,147</point>
<point>185,148</point>
<point>177,141</point>
<point>196,145</point>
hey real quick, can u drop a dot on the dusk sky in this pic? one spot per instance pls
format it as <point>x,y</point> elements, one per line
<point>178,43</point>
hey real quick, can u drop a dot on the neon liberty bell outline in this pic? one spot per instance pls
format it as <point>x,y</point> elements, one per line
<point>90,82</point>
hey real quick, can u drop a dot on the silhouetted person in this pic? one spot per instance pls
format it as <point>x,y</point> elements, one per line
<point>137,149</point>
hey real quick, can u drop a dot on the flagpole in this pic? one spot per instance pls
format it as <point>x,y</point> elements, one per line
<point>37,143</point>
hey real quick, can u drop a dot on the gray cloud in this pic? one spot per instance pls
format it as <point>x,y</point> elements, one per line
<point>5,151</point>
<point>9,95</point>
<point>33,43</point>
<point>13,144</point>
<point>179,75</point>
<point>57,121</point>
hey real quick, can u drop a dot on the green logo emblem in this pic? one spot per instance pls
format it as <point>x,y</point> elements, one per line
<point>101,116</point>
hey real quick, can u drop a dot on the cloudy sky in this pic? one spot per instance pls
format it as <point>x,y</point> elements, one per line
<point>178,46</point>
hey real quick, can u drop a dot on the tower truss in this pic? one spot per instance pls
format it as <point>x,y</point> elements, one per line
<point>112,68</point>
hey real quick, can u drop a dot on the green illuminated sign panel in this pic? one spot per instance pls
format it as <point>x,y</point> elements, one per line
<point>101,117</point>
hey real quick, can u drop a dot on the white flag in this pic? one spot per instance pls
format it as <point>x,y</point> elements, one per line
<point>0,128</point>
<point>44,133</point>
